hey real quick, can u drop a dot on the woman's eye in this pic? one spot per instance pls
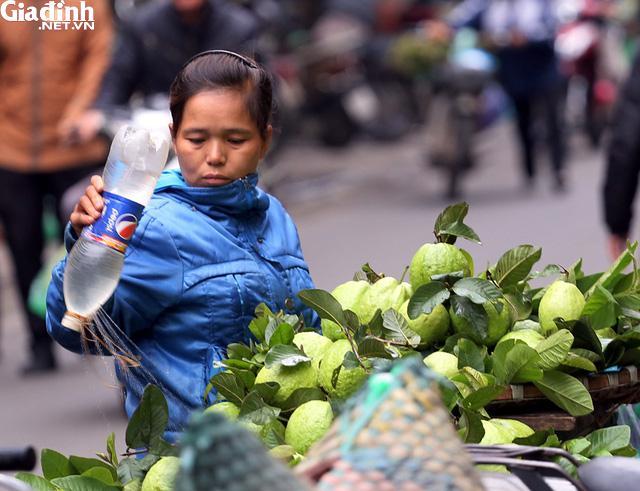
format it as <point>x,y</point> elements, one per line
<point>196,141</point>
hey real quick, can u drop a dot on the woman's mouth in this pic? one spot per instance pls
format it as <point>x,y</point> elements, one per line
<point>215,179</point>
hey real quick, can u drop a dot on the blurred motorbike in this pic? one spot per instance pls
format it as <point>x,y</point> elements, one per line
<point>327,81</point>
<point>457,108</point>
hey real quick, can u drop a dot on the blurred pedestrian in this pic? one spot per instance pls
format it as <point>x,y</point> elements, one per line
<point>154,43</point>
<point>623,163</point>
<point>521,33</point>
<point>48,78</point>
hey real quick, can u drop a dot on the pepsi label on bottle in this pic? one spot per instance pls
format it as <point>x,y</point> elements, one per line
<point>117,224</point>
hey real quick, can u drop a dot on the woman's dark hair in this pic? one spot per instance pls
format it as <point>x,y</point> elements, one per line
<point>219,69</point>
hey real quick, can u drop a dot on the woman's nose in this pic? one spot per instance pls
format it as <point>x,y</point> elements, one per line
<point>216,154</point>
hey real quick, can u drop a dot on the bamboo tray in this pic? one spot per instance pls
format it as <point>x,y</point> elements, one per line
<point>608,390</point>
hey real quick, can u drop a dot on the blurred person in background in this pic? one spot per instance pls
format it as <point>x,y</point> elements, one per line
<point>623,163</point>
<point>521,34</point>
<point>154,43</point>
<point>48,78</point>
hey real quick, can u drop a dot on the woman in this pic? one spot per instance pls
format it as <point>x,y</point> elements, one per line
<point>210,246</point>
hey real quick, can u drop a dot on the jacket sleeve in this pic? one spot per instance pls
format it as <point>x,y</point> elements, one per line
<point>150,282</point>
<point>623,157</point>
<point>122,76</point>
<point>95,59</point>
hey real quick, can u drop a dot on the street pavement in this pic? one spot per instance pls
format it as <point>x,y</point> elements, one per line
<point>370,202</point>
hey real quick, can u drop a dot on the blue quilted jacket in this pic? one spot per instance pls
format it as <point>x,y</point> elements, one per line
<point>199,263</point>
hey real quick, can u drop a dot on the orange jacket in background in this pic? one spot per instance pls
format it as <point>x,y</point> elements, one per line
<point>47,77</point>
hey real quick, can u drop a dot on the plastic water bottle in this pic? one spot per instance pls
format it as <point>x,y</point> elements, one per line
<point>136,159</point>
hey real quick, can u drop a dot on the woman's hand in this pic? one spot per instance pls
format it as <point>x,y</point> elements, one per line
<point>89,207</point>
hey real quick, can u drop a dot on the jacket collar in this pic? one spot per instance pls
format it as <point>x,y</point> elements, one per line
<point>239,197</point>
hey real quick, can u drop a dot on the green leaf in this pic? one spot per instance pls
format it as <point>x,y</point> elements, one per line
<point>450,215</point>
<point>352,320</point>
<point>515,362</point>
<point>473,313</point>
<point>239,351</point>
<point>481,397</point>
<point>229,386</point>
<point>577,446</point>
<point>515,265</point>
<point>575,361</point>
<point>477,290</point>
<point>476,380</point>
<point>282,334</point>
<point>584,336</point>
<point>83,464</point>
<point>566,392</point>
<point>628,451</point>
<point>585,353</point>
<point>553,350</point>
<point>246,376</point>
<point>471,425</point>
<point>285,355</point>
<point>149,420</point>
<point>396,328</point>
<point>324,304</point>
<point>601,308</point>
<point>575,272</point>
<point>111,450</point>
<point>239,364</point>
<point>103,475</point>
<point>610,277</point>
<point>131,468</point>
<point>519,301</point>
<point>470,355</point>
<point>462,230</point>
<point>54,464</point>
<point>82,483</point>
<point>258,327</point>
<point>257,411</point>
<point>302,395</point>
<point>350,361</point>
<point>263,310</point>
<point>426,298</point>
<point>505,431</point>
<point>609,439</point>
<point>527,324</point>
<point>36,482</point>
<point>376,323</point>
<point>272,434</point>
<point>371,347</point>
<point>549,270</point>
<point>586,282</point>
<point>266,390</point>
<point>613,353</point>
<point>629,305</point>
<point>631,357</point>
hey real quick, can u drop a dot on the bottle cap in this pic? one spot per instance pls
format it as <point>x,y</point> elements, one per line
<point>74,321</point>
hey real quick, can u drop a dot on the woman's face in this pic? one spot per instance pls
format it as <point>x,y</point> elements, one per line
<point>218,141</point>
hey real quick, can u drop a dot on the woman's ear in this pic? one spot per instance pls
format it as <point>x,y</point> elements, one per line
<point>267,141</point>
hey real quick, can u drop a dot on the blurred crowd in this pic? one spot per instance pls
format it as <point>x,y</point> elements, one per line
<point>343,68</point>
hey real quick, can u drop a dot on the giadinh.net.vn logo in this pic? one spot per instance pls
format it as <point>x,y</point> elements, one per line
<point>51,16</point>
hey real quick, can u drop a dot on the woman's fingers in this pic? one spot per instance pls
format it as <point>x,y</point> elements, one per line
<point>89,206</point>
